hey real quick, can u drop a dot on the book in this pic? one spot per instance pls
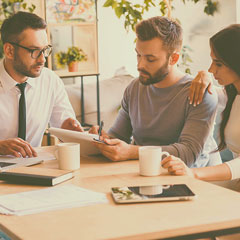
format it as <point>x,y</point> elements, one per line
<point>36,176</point>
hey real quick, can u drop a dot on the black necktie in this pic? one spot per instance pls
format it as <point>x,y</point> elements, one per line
<point>22,112</point>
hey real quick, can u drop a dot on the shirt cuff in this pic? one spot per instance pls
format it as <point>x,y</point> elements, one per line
<point>234,166</point>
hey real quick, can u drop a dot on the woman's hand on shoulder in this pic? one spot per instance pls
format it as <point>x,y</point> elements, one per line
<point>199,85</point>
<point>176,166</point>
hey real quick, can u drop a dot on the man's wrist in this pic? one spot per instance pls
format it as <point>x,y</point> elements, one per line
<point>133,152</point>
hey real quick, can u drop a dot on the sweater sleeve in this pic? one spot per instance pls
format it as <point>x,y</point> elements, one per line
<point>122,127</point>
<point>234,166</point>
<point>197,127</point>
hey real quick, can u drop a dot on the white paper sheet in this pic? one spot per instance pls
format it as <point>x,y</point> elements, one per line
<point>65,196</point>
<point>46,153</point>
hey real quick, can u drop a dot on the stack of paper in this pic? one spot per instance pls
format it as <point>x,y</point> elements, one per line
<point>46,153</point>
<point>66,196</point>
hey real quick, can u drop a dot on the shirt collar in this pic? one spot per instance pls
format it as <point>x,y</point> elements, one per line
<point>32,82</point>
<point>7,82</point>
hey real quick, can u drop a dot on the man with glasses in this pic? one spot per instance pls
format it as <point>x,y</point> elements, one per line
<point>31,96</point>
<point>36,53</point>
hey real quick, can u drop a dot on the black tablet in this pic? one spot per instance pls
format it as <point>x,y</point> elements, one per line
<point>153,193</point>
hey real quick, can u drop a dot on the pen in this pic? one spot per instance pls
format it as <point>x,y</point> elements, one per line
<point>100,129</point>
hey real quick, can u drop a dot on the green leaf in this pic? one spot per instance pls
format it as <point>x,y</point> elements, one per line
<point>31,9</point>
<point>211,7</point>
<point>187,70</point>
<point>24,5</point>
<point>114,5</point>
<point>137,6</point>
<point>153,4</point>
<point>136,14</point>
<point>119,11</point>
<point>163,8</point>
<point>188,59</point>
<point>108,3</point>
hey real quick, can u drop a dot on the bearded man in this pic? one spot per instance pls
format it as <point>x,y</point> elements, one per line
<point>155,109</point>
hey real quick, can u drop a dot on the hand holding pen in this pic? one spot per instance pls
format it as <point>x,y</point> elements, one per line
<point>99,133</point>
<point>100,130</point>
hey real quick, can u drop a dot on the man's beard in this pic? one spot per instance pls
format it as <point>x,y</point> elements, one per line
<point>24,70</point>
<point>157,77</point>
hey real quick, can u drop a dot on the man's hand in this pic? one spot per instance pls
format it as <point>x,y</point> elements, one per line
<point>72,124</point>
<point>17,147</point>
<point>198,87</point>
<point>176,166</point>
<point>95,129</point>
<point>117,150</point>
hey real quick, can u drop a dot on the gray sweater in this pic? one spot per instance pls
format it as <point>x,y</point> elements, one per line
<point>164,117</point>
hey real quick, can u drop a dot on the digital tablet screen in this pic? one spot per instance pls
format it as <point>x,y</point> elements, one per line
<point>171,192</point>
<point>84,138</point>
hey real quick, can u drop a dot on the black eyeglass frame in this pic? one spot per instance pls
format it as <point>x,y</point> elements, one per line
<point>32,50</point>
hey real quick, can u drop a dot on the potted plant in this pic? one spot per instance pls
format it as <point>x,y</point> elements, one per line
<point>70,58</point>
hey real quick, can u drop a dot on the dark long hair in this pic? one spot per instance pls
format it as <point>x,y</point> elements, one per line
<point>231,94</point>
<point>226,47</point>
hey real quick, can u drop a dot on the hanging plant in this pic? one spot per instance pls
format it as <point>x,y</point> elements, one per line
<point>132,13</point>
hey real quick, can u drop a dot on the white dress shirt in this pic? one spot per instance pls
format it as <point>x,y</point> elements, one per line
<point>232,131</point>
<point>232,136</point>
<point>46,102</point>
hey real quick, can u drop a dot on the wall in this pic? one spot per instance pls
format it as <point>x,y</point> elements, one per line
<point>116,46</point>
<point>198,28</point>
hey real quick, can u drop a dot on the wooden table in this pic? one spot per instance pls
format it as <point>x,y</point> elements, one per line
<point>216,210</point>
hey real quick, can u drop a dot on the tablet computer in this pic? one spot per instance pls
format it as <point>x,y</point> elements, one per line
<point>84,138</point>
<point>153,193</point>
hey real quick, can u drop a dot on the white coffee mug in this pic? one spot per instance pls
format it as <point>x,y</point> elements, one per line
<point>68,155</point>
<point>151,190</point>
<point>150,158</point>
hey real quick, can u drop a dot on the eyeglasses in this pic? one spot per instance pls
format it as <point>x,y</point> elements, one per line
<point>36,53</point>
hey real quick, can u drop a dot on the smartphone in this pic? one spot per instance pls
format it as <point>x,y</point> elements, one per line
<point>99,141</point>
<point>153,193</point>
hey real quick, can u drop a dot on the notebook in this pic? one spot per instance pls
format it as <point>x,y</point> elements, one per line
<point>84,138</point>
<point>8,162</point>
<point>36,176</point>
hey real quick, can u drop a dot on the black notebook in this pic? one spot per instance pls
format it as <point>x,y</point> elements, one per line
<point>36,176</point>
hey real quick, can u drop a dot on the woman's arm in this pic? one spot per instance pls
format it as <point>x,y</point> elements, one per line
<point>219,172</point>
<point>176,166</point>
